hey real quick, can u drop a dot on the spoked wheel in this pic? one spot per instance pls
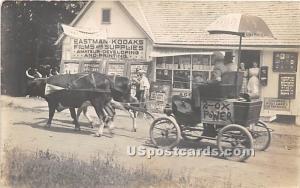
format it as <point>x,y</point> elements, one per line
<point>143,114</point>
<point>165,133</point>
<point>235,142</point>
<point>261,136</point>
<point>148,117</point>
<point>192,133</point>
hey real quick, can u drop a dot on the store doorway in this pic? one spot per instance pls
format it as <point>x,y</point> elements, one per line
<point>250,56</point>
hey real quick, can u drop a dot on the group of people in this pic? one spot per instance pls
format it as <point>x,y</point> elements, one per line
<point>223,64</point>
<point>250,83</point>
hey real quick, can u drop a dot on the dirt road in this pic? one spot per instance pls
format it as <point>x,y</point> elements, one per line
<point>23,121</point>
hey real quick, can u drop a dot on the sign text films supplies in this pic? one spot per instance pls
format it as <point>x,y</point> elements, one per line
<point>112,48</point>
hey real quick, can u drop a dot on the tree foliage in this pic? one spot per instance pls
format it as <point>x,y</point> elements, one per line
<point>29,30</point>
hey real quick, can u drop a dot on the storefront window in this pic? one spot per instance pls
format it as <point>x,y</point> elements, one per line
<point>164,75</point>
<point>182,79</point>
<point>183,71</point>
<point>201,62</point>
<point>164,67</point>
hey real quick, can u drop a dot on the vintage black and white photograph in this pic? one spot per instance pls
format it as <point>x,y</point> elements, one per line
<point>153,94</point>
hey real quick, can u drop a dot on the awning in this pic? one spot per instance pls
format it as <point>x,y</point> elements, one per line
<point>84,33</point>
<point>177,52</point>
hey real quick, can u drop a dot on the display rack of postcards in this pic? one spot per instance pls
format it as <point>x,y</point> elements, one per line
<point>159,94</point>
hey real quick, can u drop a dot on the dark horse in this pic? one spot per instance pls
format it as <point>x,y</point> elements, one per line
<point>73,90</point>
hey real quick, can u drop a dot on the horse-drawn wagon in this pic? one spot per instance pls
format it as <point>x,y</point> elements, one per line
<point>223,116</point>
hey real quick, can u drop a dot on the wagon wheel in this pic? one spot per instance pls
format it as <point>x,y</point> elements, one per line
<point>261,136</point>
<point>192,133</point>
<point>165,133</point>
<point>148,117</point>
<point>235,142</point>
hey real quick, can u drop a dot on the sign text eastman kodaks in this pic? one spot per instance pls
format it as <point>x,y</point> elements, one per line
<point>108,49</point>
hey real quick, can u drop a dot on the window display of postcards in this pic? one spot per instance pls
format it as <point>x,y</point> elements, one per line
<point>182,62</point>
<point>285,61</point>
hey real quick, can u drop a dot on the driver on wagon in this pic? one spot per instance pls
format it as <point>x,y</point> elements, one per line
<point>222,65</point>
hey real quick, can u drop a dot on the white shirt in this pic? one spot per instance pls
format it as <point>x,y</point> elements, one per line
<point>144,83</point>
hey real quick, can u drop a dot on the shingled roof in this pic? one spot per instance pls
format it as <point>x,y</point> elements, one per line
<point>185,22</point>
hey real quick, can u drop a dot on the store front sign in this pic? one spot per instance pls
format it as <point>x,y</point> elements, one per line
<point>287,86</point>
<point>276,104</point>
<point>285,61</point>
<point>116,49</point>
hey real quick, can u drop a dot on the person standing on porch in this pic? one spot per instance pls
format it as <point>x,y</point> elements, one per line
<point>144,88</point>
<point>136,83</point>
<point>245,77</point>
<point>253,84</point>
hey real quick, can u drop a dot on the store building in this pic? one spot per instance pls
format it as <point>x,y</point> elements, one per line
<point>168,39</point>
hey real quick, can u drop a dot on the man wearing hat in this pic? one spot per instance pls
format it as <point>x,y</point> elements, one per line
<point>144,86</point>
<point>222,65</point>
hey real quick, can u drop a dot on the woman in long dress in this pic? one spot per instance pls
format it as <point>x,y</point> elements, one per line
<point>245,77</point>
<point>253,84</point>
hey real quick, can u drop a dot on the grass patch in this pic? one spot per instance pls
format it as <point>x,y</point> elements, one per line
<point>47,169</point>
